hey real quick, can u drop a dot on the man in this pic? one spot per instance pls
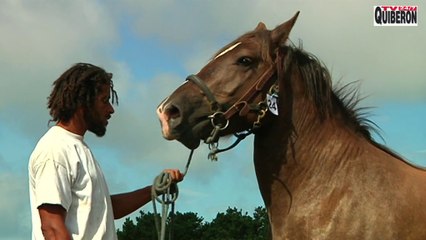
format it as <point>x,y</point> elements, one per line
<point>68,193</point>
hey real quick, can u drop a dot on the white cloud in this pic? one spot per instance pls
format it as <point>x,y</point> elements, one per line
<point>42,35</point>
<point>39,40</point>
<point>341,34</point>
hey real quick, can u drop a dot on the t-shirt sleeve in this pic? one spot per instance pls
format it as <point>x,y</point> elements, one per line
<point>52,184</point>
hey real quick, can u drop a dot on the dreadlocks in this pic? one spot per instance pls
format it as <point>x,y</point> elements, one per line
<point>77,87</point>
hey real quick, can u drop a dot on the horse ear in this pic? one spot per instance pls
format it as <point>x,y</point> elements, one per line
<point>280,34</point>
<point>260,26</point>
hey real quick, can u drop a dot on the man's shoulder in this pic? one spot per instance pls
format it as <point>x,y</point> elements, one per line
<point>57,136</point>
<point>52,139</point>
<point>55,144</point>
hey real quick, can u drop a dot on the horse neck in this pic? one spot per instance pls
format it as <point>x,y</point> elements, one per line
<point>300,150</point>
<point>299,141</point>
<point>321,144</point>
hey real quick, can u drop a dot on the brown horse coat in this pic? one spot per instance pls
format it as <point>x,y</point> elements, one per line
<point>320,173</point>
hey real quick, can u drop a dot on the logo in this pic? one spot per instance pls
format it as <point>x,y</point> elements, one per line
<point>388,15</point>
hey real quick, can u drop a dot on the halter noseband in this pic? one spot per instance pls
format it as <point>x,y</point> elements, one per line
<point>214,105</point>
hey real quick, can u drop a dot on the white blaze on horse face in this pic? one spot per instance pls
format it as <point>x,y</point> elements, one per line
<point>183,83</point>
<point>227,50</point>
<point>161,105</point>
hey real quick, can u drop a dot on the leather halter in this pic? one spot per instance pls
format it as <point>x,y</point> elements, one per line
<point>241,105</point>
<point>214,105</point>
<point>220,120</point>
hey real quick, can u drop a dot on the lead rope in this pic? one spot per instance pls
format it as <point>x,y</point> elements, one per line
<point>165,191</point>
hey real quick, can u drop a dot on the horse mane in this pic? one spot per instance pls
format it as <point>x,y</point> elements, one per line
<point>327,98</point>
<point>330,99</point>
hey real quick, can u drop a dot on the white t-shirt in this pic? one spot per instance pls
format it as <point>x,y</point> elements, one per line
<point>62,170</point>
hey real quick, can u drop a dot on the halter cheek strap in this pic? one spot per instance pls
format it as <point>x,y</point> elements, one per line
<point>241,105</point>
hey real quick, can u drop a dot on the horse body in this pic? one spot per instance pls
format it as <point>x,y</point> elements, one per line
<point>333,184</point>
<point>320,173</point>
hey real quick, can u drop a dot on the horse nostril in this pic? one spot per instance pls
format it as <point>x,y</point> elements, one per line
<point>172,112</point>
<point>169,115</point>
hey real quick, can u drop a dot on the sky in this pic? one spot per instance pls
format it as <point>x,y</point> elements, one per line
<point>151,46</point>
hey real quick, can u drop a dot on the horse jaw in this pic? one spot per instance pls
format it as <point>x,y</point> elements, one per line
<point>190,143</point>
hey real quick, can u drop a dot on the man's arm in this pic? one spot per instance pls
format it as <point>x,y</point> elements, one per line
<point>126,203</point>
<point>53,222</point>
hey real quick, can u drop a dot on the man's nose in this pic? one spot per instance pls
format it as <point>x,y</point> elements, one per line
<point>111,109</point>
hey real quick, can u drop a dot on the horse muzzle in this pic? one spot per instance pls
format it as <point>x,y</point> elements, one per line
<point>175,128</point>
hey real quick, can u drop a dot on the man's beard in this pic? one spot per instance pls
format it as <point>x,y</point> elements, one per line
<point>94,123</point>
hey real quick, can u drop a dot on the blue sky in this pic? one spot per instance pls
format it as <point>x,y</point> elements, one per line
<point>151,46</point>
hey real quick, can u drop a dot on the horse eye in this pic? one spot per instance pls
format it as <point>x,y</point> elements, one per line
<point>245,61</point>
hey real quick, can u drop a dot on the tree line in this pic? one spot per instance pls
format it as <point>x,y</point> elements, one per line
<point>232,224</point>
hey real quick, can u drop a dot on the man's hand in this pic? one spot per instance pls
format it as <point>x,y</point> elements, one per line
<point>175,174</point>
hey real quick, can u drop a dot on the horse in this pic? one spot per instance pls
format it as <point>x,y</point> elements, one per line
<point>320,172</point>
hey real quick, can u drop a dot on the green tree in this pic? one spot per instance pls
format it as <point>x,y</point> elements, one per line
<point>261,224</point>
<point>229,226</point>
<point>143,230</point>
<point>187,226</point>
<point>129,230</point>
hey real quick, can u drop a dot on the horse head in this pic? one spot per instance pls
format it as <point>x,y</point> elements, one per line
<point>227,95</point>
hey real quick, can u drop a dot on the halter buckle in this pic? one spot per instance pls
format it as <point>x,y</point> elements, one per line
<point>219,120</point>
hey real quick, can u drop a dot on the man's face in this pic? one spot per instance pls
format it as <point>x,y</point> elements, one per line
<point>97,117</point>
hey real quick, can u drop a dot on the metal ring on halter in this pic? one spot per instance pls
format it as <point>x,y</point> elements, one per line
<point>217,120</point>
